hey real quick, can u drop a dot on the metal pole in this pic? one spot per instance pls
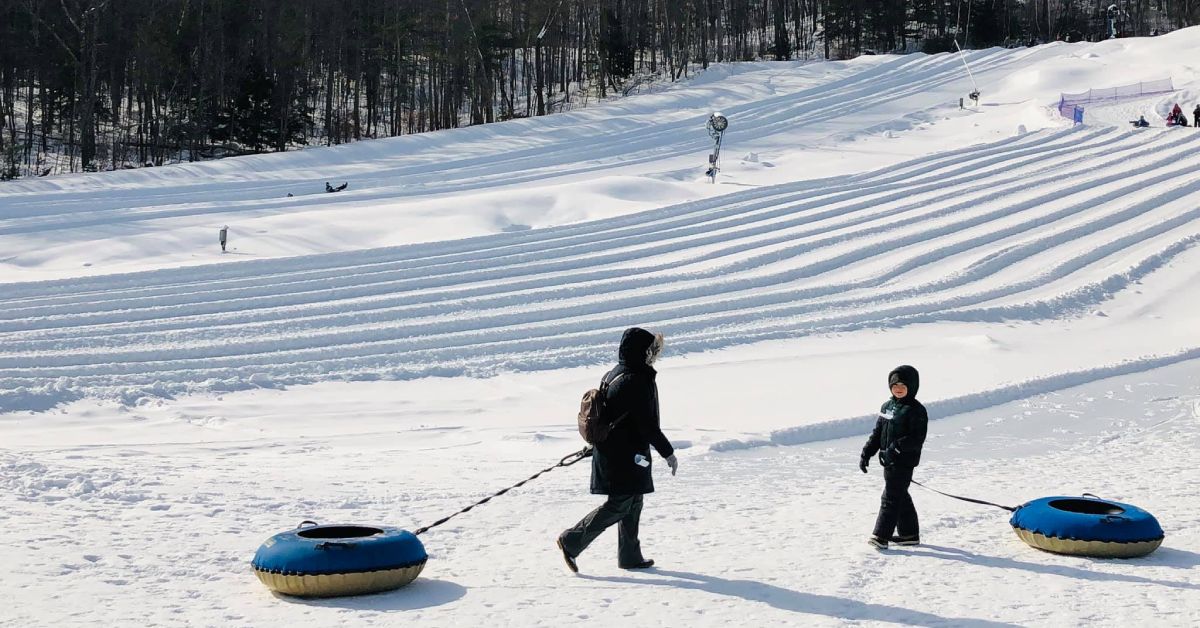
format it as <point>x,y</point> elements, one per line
<point>963,58</point>
<point>716,158</point>
<point>716,126</point>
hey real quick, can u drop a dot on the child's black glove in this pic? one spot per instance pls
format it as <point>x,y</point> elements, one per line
<point>863,462</point>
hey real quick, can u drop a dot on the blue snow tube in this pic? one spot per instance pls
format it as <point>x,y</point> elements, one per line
<point>332,560</point>
<point>1087,526</point>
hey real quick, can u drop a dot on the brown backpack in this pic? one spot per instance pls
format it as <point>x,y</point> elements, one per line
<point>593,426</point>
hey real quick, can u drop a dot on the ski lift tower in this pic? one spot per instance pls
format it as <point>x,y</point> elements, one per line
<point>716,126</point>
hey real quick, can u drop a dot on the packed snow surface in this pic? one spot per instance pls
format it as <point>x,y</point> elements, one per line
<point>394,352</point>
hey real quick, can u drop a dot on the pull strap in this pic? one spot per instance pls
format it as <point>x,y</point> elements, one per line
<point>965,499</point>
<point>566,461</point>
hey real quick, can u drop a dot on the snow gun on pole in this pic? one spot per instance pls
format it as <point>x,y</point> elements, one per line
<point>974,95</point>
<point>716,126</point>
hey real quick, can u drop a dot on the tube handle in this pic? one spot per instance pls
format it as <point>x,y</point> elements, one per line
<point>333,544</point>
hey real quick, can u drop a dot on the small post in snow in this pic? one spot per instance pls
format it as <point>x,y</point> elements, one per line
<point>223,236</point>
<point>716,126</point>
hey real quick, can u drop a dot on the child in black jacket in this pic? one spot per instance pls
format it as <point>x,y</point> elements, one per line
<point>898,436</point>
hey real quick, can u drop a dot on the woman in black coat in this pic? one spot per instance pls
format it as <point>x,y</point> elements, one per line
<point>621,464</point>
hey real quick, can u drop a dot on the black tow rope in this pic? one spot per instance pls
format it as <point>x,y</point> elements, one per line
<point>567,461</point>
<point>965,499</point>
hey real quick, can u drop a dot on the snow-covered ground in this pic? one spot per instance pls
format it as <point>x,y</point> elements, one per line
<point>394,352</point>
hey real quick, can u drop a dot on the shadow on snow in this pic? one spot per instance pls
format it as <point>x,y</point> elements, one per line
<point>796,601</point>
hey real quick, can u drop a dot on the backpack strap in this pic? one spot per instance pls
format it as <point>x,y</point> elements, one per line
<point>604,384</point>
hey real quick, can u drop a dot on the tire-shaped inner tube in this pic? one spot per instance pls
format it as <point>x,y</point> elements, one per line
<point>335,560</point>
<point>1087,526</point>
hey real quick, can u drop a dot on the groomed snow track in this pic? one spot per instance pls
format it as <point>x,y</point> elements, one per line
<point>1039,226</point>
<point>474,158</point>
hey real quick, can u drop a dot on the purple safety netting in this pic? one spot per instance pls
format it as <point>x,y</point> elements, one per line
<point>1067,102</point>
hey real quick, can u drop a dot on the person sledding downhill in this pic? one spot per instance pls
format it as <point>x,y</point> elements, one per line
<point>898,437</point>
<point>621,462</point>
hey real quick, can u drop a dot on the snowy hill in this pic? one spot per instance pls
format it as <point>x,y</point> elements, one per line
<point>396,351</point>
<point>802,120</point>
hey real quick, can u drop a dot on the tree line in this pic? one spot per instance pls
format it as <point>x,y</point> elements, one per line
<point>106,84</point>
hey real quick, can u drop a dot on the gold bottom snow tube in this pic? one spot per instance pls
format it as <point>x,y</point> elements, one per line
<point>338,584</point>
<point>1098,549</point>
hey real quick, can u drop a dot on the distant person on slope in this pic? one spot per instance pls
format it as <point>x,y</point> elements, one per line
<point>223,236</point>
<point>1175,115</point>
<point>330,188</point>
<point>1196,116</point>
<point>621,463</point>
<point>898,437</point>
